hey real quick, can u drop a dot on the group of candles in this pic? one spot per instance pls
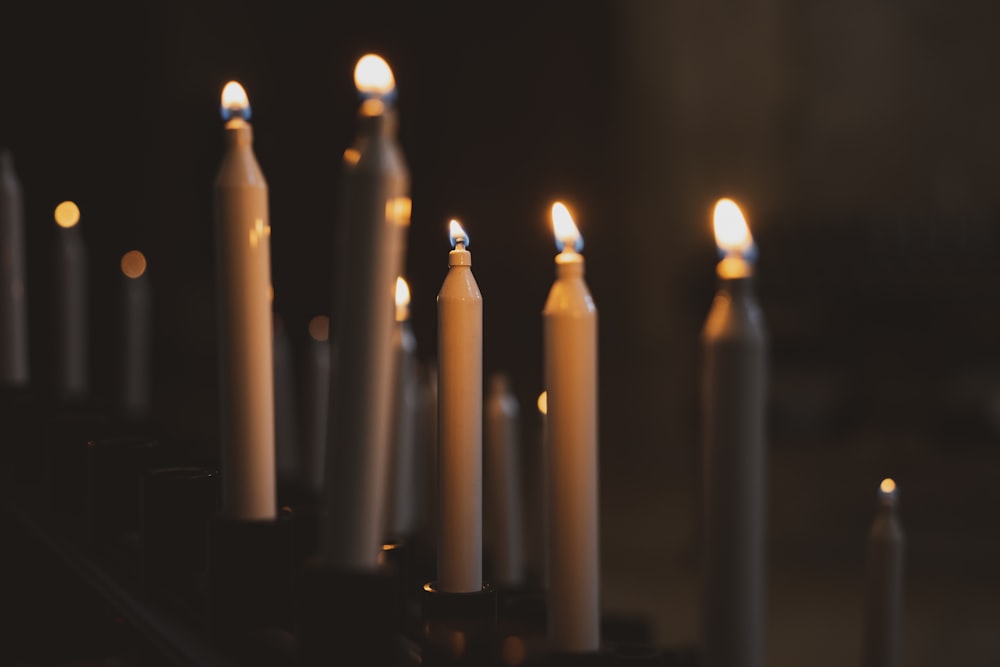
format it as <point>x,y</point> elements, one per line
<point>367,371</point>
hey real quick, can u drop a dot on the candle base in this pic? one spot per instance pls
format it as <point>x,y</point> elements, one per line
<point>348,618</point>
<point>250,585</point>
<point>459,628</point>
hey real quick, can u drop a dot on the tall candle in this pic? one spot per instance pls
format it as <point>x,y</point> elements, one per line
<point>404,500</point>
<point>504,528</point>
<point>734,387</point>
<point>14,366</point>
<point>136,344</point>
<point>72,371</point>
<point>884,582</point>
<point>243,244</point>
<point>460,422</point>
<point>315,403</point>
<point>372,241</point>
<point>570,319</point>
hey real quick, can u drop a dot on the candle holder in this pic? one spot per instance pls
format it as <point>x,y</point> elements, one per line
<point>348,617</point>
<point>114,472</point>
<point>249,603</point>
<point>459,628</point>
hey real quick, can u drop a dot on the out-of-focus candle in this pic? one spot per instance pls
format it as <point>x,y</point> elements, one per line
<point>536,474</point>
<point>460,422</point>
<point>884,582</point>
<point>136,344</point>
<point>246,355</point>
<point>429,451</point>
<point>570,319</point>
<point>315,403</point>
<point>734,388</point>
<point>505,527</point>
<point>372,240</point>
<point>72,371</point>
<point>286,430</point>
<point>404,500</point>
<point>14,366</point>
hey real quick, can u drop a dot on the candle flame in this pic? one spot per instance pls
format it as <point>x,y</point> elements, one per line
<point>319,328</point>
<point>133,264</point>
<point>543,403</point>
<point>566,232</point>
<point>373,77</point>
<point>458,234</point>
<point>888,486</point>
<point>732,235</point>
<point>235,103</point>
<point>67,214</point>
<point>402,299</point>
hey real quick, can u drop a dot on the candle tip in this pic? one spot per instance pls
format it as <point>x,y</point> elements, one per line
<point>235,103</point>
<point>67,214</point>
<point>133,264</point>
<point>458,235</point>
<point>543,403</point>
<point>373,77</point>
<point>566,231</point>
<point>402,299</point>
<point>887,487</point>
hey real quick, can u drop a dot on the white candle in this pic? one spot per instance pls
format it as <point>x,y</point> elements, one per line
<point>404,500</point>
<point>315,402</point>
<point>286,431</point>
<point>570,319</point>
<point>72,372</point>
<point>460,422</point>
<point>136,344</point>
<point>884,583</point>
<point>504,528</point>
<point>14,366</point>
<point>734,386</point>
<point>243,244</point>
<point>372,239</point>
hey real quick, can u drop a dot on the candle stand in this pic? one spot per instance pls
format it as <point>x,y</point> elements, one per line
<point>459,628</point>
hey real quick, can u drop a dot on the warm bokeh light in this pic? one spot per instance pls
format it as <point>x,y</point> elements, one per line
<point>888,486</point>
<point>372,76</point>
<point>319,328</point>
<point>133,264</point>
<point>566,232</point>
<point>398,210</point>
<point>732,235</point>
<point>457,234</point>
<point>351,156</point>
<point>543,402</point>
<point>514,651</point>
<point>402,299</point>
<point>235,101</point>
<point>67,214</point>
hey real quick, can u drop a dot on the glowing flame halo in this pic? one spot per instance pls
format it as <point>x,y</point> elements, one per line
<point>566,232</point>
<point>235,103</point>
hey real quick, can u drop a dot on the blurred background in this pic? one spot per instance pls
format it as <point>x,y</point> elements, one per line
<point>859,137</point>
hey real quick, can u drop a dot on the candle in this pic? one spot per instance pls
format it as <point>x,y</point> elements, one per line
<point>733,404</point>
<point>72,372</point>
<point>243,244</point>
<point>570,320</point>
<point>372,239</point>
<point>286,431</point>
<point>136,351</point>
<point>460,422</point>
<point>884,585</point>
<point>504,530</point>
<point>404,501</point>
<point>315,402</point>
<point>14,367</point>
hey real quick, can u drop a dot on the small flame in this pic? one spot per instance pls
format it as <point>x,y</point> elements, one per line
<point>543,402</point>
<point>402,299</point>
<point>67,214</point>
<point>373,77</point>
<point>567,234</point>
<point>458,234</point>
<point>133,264</point>
<point>732,235</point>
<point>888,486</point>
<point>235,103</point>
<point>319,328</point>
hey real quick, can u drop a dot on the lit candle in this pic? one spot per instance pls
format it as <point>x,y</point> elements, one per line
<point>571,384</point>
<point>243,240</point>
<point>72,372</point>
<point>136,322</point>
<point>372,238</point>
<point>286,431</point>
<point>884,585</point>
<point>460,422</point>
<point>315,401</point>
<point>734,377</point>
<point>505,529</point>
<point>404,500</point>
<point>14,367</point>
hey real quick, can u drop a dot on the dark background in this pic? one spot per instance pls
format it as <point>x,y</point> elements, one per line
<point>860,137</point>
